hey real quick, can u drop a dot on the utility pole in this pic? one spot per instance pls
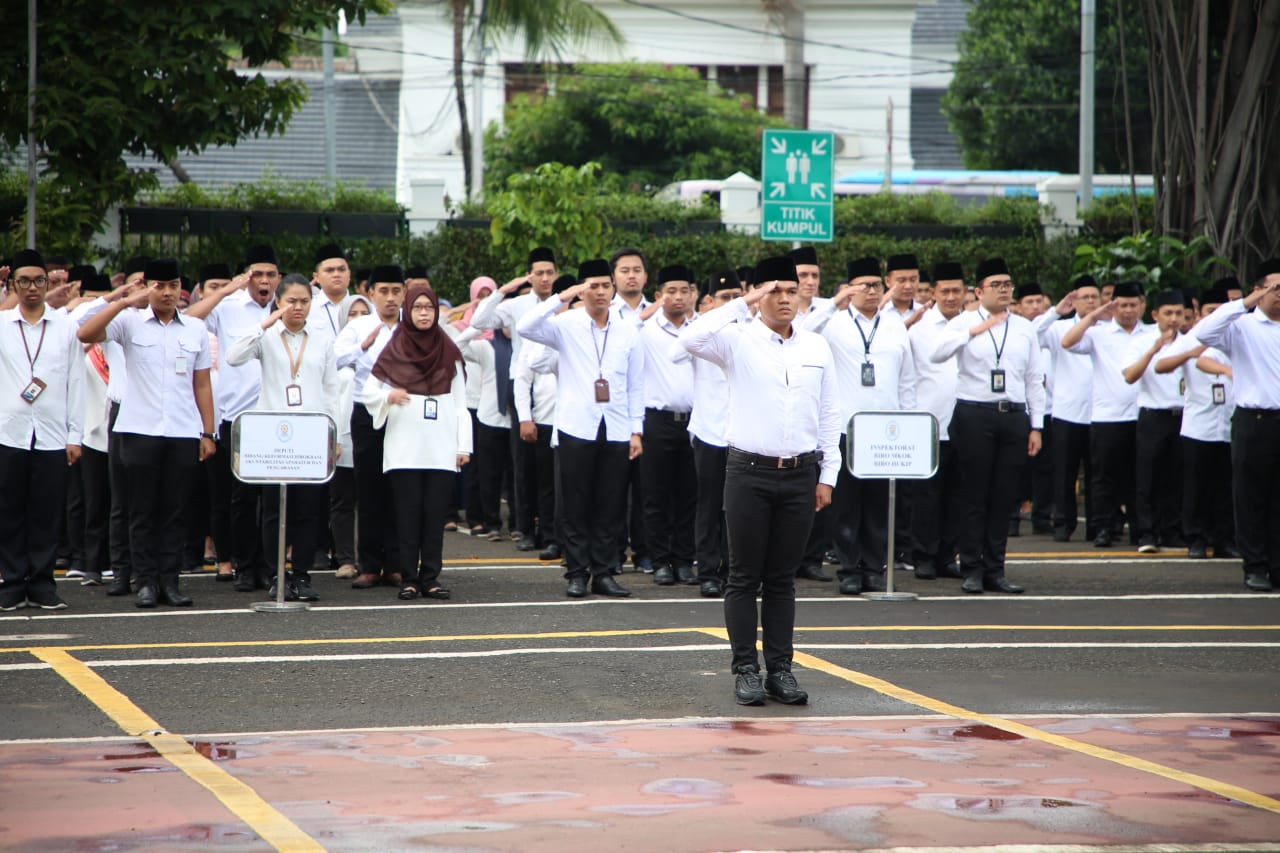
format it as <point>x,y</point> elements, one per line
<point>31,124</point>
<point>888,146</point>
<point>793,70</point>
<point>330,110</point>
<point>1088,18</point>
<point>477,108</point>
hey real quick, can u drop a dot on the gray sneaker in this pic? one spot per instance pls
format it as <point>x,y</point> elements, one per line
<point>748,687</point>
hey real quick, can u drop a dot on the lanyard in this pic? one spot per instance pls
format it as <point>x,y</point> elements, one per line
<point>333,324</point>
<point>999,349</point>
<point>866,341</point>
<point>601,348</point>
<point>294,364</point>
<point>31,359</point>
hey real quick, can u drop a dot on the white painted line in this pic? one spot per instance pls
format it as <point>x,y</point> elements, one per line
<point>25,638</point>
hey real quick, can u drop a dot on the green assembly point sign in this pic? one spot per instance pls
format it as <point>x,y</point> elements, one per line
<point>798,169</point>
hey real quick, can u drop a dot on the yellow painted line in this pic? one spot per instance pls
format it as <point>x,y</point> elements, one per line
<point>241,800</point>
<point>911,697</point>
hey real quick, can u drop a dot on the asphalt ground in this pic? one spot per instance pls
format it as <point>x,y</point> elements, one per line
<point>1124,702</point>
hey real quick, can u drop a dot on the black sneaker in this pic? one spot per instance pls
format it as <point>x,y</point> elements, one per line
<point>1147,545</point>
<point>301,587</point>
<point>46,601</point>
<point>781,686</point>
<point>748,687</point>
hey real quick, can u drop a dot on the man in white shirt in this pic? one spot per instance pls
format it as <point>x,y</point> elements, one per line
<point>1252,341</point>
<point>783,436</point>
<point>1158,495</point>
<point>631,275</point>
<point>333,276</point>
<point>901,278</point>
<point>41,418</point>
<point>671,489</point>
<point>1104,335</point>
<point>934,527</point>
<point>996,423</point>
<point>599,420</point>
<point>809,273</point>
<point>1030,302</point>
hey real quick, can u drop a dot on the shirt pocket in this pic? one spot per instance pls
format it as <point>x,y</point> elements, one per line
<point>808,380</point>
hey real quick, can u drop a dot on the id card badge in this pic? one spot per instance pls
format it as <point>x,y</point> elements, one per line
<point>293,395</point>
<point>1182,387</point>
<point>180,365</point>
<point>868,375</point>
<point>429,409</point>
<point>33,390</point>
<point>1219,394</point>
<point>602,390</point>
<point>997,380</point>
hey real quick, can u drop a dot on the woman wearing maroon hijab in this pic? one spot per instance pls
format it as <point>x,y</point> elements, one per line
<point>418,389</point>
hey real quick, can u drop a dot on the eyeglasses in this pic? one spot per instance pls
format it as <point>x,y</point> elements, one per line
<point>26,283</point>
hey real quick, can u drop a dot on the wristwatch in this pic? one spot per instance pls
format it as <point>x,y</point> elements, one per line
<point>209,435</point>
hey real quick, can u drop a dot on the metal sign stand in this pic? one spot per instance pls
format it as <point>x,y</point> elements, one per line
<point>280,605</point>
<point>889,593</point>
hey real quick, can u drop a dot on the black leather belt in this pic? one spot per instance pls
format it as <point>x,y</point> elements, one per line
<point>1259,414</point>
<point>996,405</point>
<point>776,461</point>
<point>677,417</point>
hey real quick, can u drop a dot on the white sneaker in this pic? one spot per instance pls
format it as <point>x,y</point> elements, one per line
<point>75,573</point>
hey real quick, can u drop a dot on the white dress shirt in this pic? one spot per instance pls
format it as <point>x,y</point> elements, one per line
<point>976,356</point>
<point>158,399</point>
<point>1202,418</point>
<point>414,441</point>
<point>935,380</point>
<point>709,421</point>
<point>118,370</point>
<point>325,317</point>
<point>495,311</point>
<point>668,367</point>
<point>56,417</point>
<point>1114,400</point>
<point>783,399</point>
<point>1072,372</point>
<point>317,375</point>
<point>348,353</point>
<point>482,373</point>
<point>96,410</point>
<point>1252,340</point>
<point>620,309</point>
<point>346,401</point>
<point>588,353</point>
<point>235,317</point>
<point>890,308</point>
<point>882,341</point>
<point>1155,390</point>
<point>535,389</point>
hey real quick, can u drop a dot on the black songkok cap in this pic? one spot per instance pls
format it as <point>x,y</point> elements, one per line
<point>161,269</point>
<point>675,272</point>
<point>563,283</point>
<point>80,273</point>
<point>990,267</point>
<point>746,275</point>
<point>1031,288</point>
<point>1268,267</point>
<point>781,268</point>
<point>387,272</point>
<point>1217,294</point>
<point>948,271</point>
<point>137,263</point>
<point>542,253</point>
<point>1085,280</point>
<point>901,262</point>
<point>328,251</point>
<point>804,255</point>
<point>261,255</point>
<point>1168,297</point>
<point>593,268</point>
<point>1130,289</point>
<point>863,267</point>
<point>723,280</point>
<point>418,271</point>
<point>1226,283</point>
<point>99,283</point>
<point>27,258</point>
<point>209,271</point>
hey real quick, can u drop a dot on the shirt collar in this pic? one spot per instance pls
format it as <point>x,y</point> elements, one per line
<point>151,315</point>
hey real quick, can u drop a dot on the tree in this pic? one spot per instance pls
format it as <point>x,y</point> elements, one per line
<point>645,124</point>
<point>150,79</point>
<point>1216,103</point>
<point>548,27</point>
<point>1014,100</point>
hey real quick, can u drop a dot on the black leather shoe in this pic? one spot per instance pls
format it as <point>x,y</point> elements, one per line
<point>873,583</point>
<point>972,585</point>
<point>1013,528</point>
<point>1001,585</point>
<point>577,588</point>
<point>1197,552</point>
<point>1258,582</point>
<point>119,586</point>
<point>950,570</point>
<point>1060,535</point>
<point>926,572</point>
<point>748,687</point>
<point>1226,551</point>
<point>812,573</point>
<point>1103,539</point>
<point>246,581</point>
<point>147,596</point>
<point>527,543</point>
<point>831,558</point>
<point>711,589</point>
<point>170,595</point>
<point>781,687</point>
<point>606,585</point>
<point>550,553</point>
<point>303,589</point>
<point>664,576</point>
<point>686,575</point>
<point>851,585</point>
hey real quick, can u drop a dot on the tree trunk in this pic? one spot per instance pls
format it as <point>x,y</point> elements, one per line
<point>459,87</point>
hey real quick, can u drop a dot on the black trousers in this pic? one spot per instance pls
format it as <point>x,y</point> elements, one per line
<point>992,449</point>
<point>236,519</point>
<point>306,505</point>
<point>71,523</point>
<point>490,461</point>
<point>710,546</point>
<point>631,529</point>
<point>768,513</point>
<point>197,503</point>
<point>819,541</point>
<point>471,496</point>
<point>1112,449</point>
<point>1206,493</point>
<point>158,469</point>
<point>422,499</point>
<point>545,464</point>
<point>376,523</point>
<point>593,501</point>
<point>1158,492</point>
<point>33,496</point>
<point>1255,464</point>
<point>937,507</point>
<point>1070,449</point>
<point>524,474</point>
<point>671,488</point>
<point>118,523</point>
<point>342,515</point>
<point>860,511</point>
<point>1037,482</point>
<point>96,487</point>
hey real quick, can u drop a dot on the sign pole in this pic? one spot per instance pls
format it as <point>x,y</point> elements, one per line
<point>889,594</point>
<point>280,605</point>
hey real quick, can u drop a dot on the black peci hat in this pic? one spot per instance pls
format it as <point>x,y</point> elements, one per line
<point>1170,297</point>
<point>746,275</point>
<point>947,271</point>
<point>781,268</point>
<point>674,272</point>
<point>990,267</point>
<point>863,267</point>
<point>81,273</point>
<point>27,258</point>
<point>1031,288</point>
<point>261,254</point>
<point>1085,280</point>
<point>594,268</point>
<point>329,251</point>
<point>804,255</point>
<point>563,283</point>
<point>387,272</point>
<point>541,254</point>
<point>161,269</point>
<point>901,262</point>
<point>219,271</point>
<point>723,280</point>
<point>1129,290</point>
<point>136,264</point>
<point>416,271</point>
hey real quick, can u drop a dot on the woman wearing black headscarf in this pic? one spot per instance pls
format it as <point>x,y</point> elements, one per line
<point>418,389</point>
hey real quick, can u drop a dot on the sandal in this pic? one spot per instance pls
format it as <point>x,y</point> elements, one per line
<point>437,592</point>
<point>408,592</point>
<point>450,526</point>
